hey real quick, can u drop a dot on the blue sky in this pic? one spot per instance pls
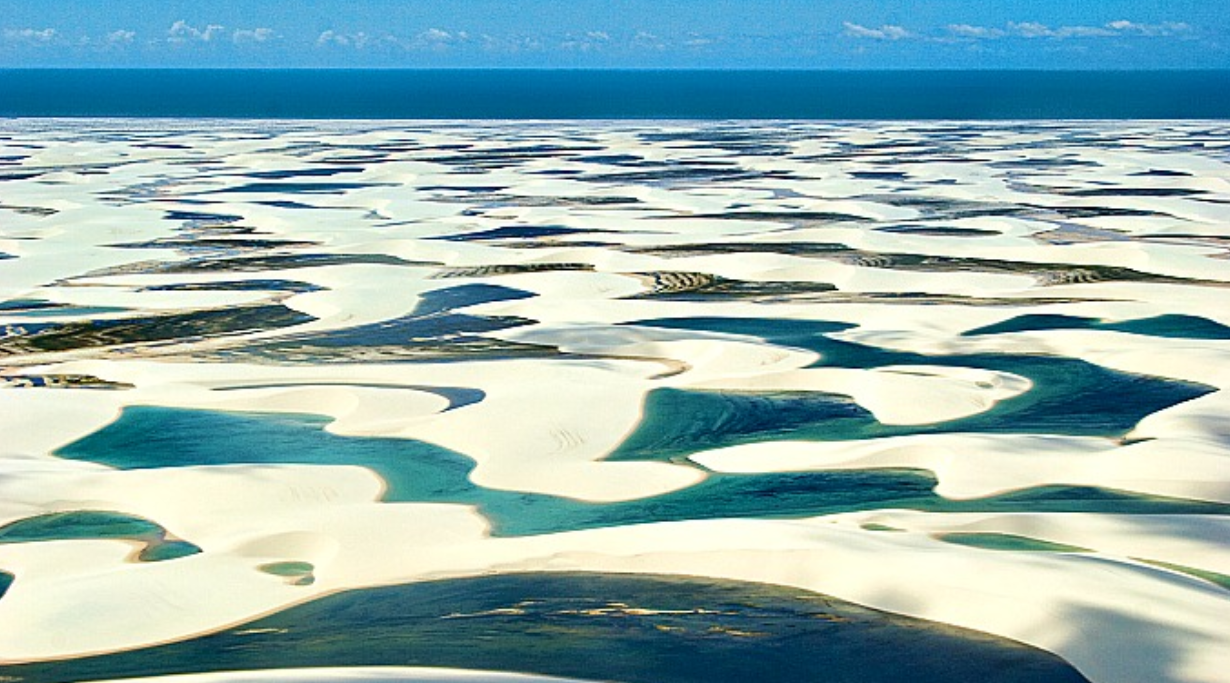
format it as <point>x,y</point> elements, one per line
<point>1048,34</point>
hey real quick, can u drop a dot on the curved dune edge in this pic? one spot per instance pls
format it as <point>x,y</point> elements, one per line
<point>977,466</point>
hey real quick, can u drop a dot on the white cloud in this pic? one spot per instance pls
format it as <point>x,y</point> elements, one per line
<point>30,35</point>
<point>1166,28</point>
<point>1033,29</point>
<point>1029,29</point>
<point>1122,25</point>
<point>886,32</point>
<point>256,35</point>
<point>968,31</point>
<point>360,40</point>
<point>644,40</point>
<point>435,35</point>
<point>590,41</point>
<point>1082,32</point>
<point>512,44</point>
<point>121,37</point>
<point>434,39</point>
<point>332,37</point>
<point>182,32</point>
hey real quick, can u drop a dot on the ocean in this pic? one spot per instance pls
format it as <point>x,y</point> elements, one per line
<point>614,94</point>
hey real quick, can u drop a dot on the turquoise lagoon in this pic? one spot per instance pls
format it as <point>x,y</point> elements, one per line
<point>676,423</point>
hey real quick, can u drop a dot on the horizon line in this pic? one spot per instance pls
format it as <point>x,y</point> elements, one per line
<point>623,68</point>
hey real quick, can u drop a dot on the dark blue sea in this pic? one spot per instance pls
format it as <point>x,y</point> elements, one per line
<point>627,94</point>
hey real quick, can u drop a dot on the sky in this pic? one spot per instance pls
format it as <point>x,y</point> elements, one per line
<point>811,34</point>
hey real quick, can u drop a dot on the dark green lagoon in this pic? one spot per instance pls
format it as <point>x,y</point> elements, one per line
<point>635,629</point>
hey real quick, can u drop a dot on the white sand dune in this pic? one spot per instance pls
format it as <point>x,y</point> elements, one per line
<point>556,380</point>
<point>976,465</point>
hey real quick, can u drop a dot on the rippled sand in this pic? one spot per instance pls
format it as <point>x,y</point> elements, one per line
<point>968,373</point>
